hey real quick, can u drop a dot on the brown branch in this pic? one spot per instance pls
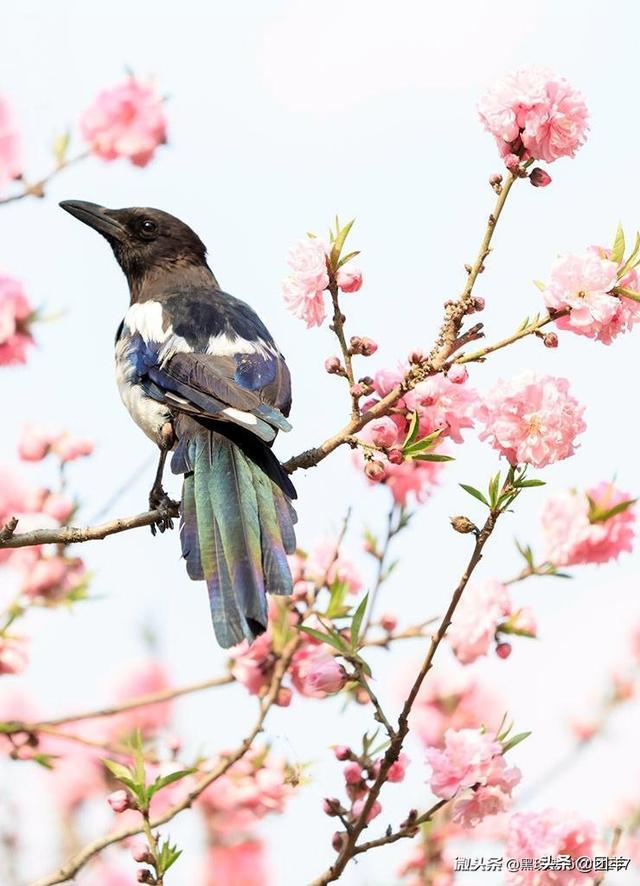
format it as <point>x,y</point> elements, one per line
<point>447,342</point>
<point>36,189</point>
<point>337,327</point>
<point>139,702</point>
<point>71,867</point>
<point>68,535</point>
<point>531,329</point>
<point>392,753</point>
<point>406,830</point>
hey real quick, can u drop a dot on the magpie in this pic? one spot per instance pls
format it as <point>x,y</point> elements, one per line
<point>201,375</point>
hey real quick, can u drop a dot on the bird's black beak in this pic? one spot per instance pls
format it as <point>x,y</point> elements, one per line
<point>97,217</point>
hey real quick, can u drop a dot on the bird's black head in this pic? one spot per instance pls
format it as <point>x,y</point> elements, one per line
<point>145,241</point>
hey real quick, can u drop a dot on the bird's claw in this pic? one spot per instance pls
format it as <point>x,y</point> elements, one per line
<point>160,501</point>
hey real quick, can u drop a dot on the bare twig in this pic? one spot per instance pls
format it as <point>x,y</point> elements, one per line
<point>68,535</point>
<point>392,753</point>
<point>530,329</point>
<point>338,328</point>
<point>140,702</point>
<point>37,189</point>
<point>71,867</point>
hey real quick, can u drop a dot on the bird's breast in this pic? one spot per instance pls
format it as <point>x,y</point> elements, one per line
<point>149,414</point>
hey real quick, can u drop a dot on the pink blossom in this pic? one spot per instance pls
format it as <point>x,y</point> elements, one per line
<point>68,448</point>
<point>352,772</point>
<point>550,833</point>
<point>52,577</point>
<point>13,655</point>
<point>443,405</point>
<point>58,505</point>
<point>34,443</point>
<point>397,770</point>
<point>102,874</point>
<point>383,431</point>
<point>237,864</point>
<point>458,374</point>
<point>358,808</point>
<point>572,535</point>
<point>317,674</point>
<point>127,120</point>
<point>385,380</point>
<point>482,608</point>
<point>532,419</point>
<point>412,479</point>
<point>454,697</point>
<point>583,284</point>
<point>349,279</point>
<point>326,565</point>
<point>472,759</point>
<point>16,313</point>
<point>138,679</point>
<point>10,148</point>
<point>463,762</point>
<point>253,664</point>
<point>78,773</point>
<point>303,290</point>
<point>534,114</point>
<point>252,788</point>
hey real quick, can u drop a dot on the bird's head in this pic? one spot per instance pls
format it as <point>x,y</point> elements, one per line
<point>144,241</point>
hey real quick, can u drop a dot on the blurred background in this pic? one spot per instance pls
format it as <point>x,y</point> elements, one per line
<point>281,115</point>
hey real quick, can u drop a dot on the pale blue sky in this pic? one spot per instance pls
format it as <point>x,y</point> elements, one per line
<point>282,114</point>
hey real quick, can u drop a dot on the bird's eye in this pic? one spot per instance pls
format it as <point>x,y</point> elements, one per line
<point>148,228</point>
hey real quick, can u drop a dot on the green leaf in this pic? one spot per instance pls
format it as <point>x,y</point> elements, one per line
<point>432,456</point>
<point>526,484</point>
<point>338,243</point>
<point>601,515</point>
<point>44,760</point>
<point>617,253</point>
<point>475,493</point>
<point>165,780</point>
<point>412,433</point>
<point>166,856</point>
<point>334,640</point>
<point>120,772</point>
<point>337,596</point>
<point>631,261</point>
<point>515,740</point>
<point>61,146</point>
<point>628,293</point>
<point>540,285</point>
<point>357,620</point>
<point>494,483</point>
<point>348,257</point>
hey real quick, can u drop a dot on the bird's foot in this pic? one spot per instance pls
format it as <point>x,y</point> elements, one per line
<point>160,501</point>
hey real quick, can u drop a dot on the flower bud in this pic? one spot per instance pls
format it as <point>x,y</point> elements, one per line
<point>539,178</point>
<point>145,876</point>
<point>368,347</point>
<point>338,840</point>
<point>358,808</point>
<point>388,621</point>
<point>352,772</point>
<point>417,357</point>
<point>512,161</point>
<point>375,471</point>
<point>550,340</point>
<point>503,650</point>
<point>333,366</point>
<point>495,179</point>
<point>283,698</point>
<point>140,852</point>
<point>463,525</point>
<point>331,806</point>
<point>478,304</point>
<point>349,280</point>
<point>357,390</point>
<point>395,456</point>
<point>342,752</point>
<point>457,374</point>
<point>120,801</point>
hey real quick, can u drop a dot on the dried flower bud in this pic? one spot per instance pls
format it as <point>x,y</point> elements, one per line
<point>145,876</point>
<point>539,178</point>
<point>395,456</point>
<point>463,524</point>
<point>355,344</point>
<point>478,304</point>
<point>375,471</point>
<point>368,347</point>
<point>550,340</point>
<point>495,179</point>
<point>333,366</point>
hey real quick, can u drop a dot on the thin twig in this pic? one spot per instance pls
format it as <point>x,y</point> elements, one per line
<point>71,867</point>
<point>532,329</point>
<point>338,328</point>
<point>68,535</point>
<point>36,189</point>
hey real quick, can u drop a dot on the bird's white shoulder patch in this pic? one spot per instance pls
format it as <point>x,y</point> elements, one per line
<point>146,319</point>
<point>223,346</point>
<point>252,422</point>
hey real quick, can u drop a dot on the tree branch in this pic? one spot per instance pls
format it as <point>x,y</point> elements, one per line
<point>392,753</point>
<point>530,329</point>
<point>68,535</point>
<point>71,867</point>
<point>36,189</point>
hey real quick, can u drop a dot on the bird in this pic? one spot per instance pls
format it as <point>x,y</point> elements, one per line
<point>201,375</point>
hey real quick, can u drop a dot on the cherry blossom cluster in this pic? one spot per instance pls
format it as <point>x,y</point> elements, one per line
<point>534,115</point>
<point>471,768</point>
<point>16,316</point>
